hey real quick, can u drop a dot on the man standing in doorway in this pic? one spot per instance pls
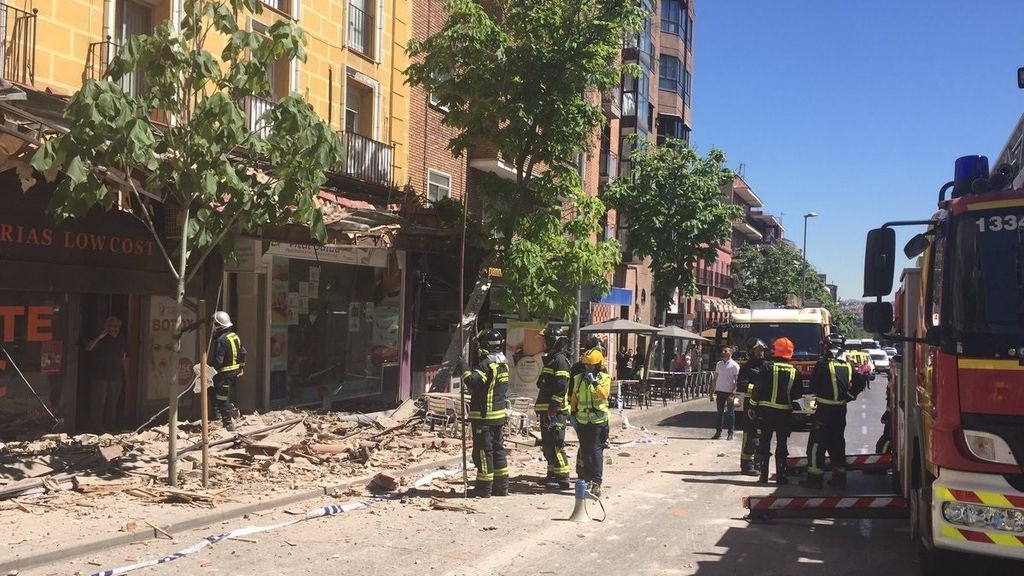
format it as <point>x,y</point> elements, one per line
<point>726,373</point>
<point>109,366</point>
<point>228,359</point>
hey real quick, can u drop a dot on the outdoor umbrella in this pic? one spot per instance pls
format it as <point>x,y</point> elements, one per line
<point>677,332</point>
<point>619,326</point>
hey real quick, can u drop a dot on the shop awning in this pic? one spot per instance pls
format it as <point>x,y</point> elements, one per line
<point>713,304</point>
<point>617,297</point>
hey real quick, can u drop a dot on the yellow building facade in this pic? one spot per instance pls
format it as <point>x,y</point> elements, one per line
<point>353,75</point>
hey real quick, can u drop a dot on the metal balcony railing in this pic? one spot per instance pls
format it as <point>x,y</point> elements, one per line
<point>611,102</point>
<point>100,54</point>
<point>366,159</point>
<point>360,31</point>
<point>18,44</point>
<point>254,107</point>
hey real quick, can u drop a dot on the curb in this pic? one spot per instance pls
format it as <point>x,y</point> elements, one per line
<point>201,521</point>
<point>213,517</point>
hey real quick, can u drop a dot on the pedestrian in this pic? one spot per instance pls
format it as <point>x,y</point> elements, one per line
<point>109,366</point>
<point>726,373</point>
<point>772,408</point>
<point>639,365</point>
<point>622,364</point>
<point>228,359</point>
<point>834,382</point>
<point>488,388</point>
<point>588,403</point>
<point>751,369</point>
<point>552,406</point>
<point>630,364</point>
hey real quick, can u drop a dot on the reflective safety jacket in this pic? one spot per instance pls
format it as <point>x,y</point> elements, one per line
<point>554,385</point>
<point>775,384</point>
<point>835,382</point>
<point>228,353</point>
<point>589,401</point>
<point>488,388</point>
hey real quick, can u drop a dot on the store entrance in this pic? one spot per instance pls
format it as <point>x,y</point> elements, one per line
<point>95,309</point>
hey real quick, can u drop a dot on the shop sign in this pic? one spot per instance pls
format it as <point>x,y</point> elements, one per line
<point>337,254</point>
<point>35,323</point>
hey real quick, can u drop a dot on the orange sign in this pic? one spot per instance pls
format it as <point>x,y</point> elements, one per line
<point>37,322</point>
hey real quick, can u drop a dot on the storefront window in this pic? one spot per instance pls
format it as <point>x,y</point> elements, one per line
<point>335,329</point>
<point>33,331</point>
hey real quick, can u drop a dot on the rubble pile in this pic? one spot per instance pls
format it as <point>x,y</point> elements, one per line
<point>279,450</point>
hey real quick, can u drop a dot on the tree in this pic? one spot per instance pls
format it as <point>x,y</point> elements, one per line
<point>516,77</point>
<point>207,166</point>
<point>773,273</point>
<point>676,212</point>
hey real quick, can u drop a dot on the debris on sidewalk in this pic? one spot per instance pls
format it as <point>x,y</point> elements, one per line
<point>280,450</point>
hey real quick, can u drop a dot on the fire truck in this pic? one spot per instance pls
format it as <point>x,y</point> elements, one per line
<point>956,397</point>
<point>807,328</point>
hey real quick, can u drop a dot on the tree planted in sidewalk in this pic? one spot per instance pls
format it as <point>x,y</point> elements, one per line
<point>776,273</point>
<point>675,211</point>
<point>215,170</point>
<point>518,78</point>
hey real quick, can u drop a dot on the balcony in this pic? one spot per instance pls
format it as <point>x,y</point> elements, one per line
<point>609,166</point>
<point>366,159</point>
<point>18,44</point>
<point>707,278</point>
<point>254,107</point>
<point>611,103</point>
<point>360,31</point>
<point>99,56</point>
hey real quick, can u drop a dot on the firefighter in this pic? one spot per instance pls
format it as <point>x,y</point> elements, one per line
<point>228,359</point>
<point>753,366</point>
<point>772,405</point>
<point>834,382</point>
<point>588,401</point>
<point>591,343</point>
<point>488,388</point>
<point>552,406</point>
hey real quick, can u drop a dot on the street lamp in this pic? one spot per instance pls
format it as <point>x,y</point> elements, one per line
<point>803,276</point>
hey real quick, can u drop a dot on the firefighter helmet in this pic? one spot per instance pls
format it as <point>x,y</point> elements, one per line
<point>782,348</point>
<point>593,357</point>
<point>556,337</point>
<point>756,344</point>
<point>491,341</point>
<point>221,319</point>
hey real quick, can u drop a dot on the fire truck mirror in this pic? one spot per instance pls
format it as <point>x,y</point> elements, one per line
<point>879,262</point>
<point>916,246</point>
<point>878,317</point>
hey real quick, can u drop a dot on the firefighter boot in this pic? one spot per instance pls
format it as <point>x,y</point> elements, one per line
<point>500,486</point>
<point>481,489</point>
<point>813,481</point>
<point>838,479</point>
<point>780,472</point>
<point>747,468</point>
<point>762,477</point>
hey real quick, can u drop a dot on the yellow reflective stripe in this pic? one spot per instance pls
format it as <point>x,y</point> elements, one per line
<point>564,373</point>
<point>830,402</point>
<point>976,206</point>
<point>994,499</point>
<point>1003,539</point>
<point>952,533</point>
<point>491,414</point>
<point>547,371</point>
<point>982,364</point>
<point>944,494</point>
<point>233,344</point>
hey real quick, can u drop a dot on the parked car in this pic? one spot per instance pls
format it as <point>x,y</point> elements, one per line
<point>890,351</point>
<point>852,344</point>
<point>880,359</point>
<point>869,344</point>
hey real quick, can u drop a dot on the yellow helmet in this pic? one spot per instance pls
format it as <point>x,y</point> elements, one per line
<point>593,357</point>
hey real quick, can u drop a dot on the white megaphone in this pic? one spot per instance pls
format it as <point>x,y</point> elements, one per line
<point>579,510</point>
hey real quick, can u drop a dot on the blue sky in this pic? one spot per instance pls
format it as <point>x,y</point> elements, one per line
<point>855,110</point>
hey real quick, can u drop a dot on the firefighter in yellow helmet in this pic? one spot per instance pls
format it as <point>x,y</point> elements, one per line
<point>777,383</point>
<point>488,387</point>
<point>588,402</point>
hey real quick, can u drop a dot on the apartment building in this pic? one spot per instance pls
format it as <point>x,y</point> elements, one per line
<point>321,324</point>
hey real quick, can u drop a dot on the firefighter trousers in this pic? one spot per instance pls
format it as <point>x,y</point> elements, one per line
<point>773,422</point>
<point>489,450</point>
<point>222,385</point>
<point>552,437</point>
<point>827,435</point>
<point>592,440</point>
<point>749,448</point>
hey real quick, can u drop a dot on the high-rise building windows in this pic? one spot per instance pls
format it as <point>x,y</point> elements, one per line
<point>674,17</point>
<point>670,75</point>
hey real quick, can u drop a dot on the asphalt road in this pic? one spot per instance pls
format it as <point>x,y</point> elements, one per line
<point>673,507</point>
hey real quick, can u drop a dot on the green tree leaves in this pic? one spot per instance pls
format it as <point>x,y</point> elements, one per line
<point>675,210</point>
<point>516,76</point>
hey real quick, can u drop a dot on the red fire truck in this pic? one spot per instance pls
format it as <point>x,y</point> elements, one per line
<point>957,393</point>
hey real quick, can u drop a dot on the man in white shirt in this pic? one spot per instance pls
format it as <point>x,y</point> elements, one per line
<point>726,371</point>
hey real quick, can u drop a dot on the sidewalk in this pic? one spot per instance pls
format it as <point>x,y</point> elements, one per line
<point>68,524</point>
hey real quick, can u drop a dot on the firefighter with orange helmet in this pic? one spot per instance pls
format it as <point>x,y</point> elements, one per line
<point>775,385</point>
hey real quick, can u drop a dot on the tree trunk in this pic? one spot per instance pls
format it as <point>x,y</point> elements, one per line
<point>172,386</point>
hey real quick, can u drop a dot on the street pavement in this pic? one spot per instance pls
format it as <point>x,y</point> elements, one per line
<point>673,507</point>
